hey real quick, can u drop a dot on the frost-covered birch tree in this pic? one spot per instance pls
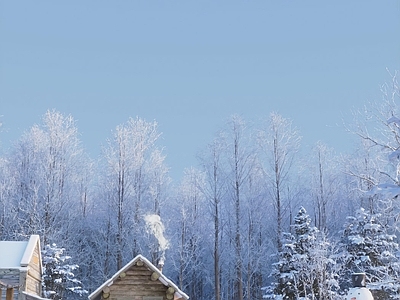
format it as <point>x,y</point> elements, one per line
<point>191,236</point>
<point>378,127</point>
<point>214,189</point>
<point>133,183</point>
<point>257,246</point>
<point>7,214</point>
<point>240,161</point>
<point>279,142</point>
<point>47,164</point>
<point>328,188</point>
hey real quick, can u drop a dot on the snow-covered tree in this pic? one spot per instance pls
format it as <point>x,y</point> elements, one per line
<point>48,166</point>
<point>378,127</point>
<point>191,235</point>
<point>134,181</point>
<point>369,248</point>
<point>326,186</point>
<point>283,286</point>
<point>304,269</point>
<point>214,188</point>
<point>59,281</point>
<point>279,143</point>
<point>240,166</point>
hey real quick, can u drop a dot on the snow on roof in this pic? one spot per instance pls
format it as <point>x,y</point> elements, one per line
<point>11,254</point>
<point>162,278</point>
<point>33,297</point>
<point>34,240</point>
<point>17,254</point>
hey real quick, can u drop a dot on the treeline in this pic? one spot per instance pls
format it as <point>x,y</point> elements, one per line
<point>257,215</point>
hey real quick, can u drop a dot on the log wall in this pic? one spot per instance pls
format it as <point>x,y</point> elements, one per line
<point>136,284</point>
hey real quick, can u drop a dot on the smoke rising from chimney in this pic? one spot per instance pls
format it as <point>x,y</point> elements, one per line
<point>156,227</point>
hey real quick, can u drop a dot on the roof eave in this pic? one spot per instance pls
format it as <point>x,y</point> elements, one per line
<point>30,248</point>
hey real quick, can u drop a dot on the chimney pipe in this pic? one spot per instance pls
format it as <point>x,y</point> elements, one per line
<point>160,266</point>
<point>358,279</point>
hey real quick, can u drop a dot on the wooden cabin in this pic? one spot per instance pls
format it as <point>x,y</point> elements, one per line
<point>138,280</point>
<point>21,269</point>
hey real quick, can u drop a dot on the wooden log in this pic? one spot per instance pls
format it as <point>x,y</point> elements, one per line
<point>122,275</point>
<point>170,290</point>
<point>139,263</point>
<point>155,276</point>
<point>138,287</point>
<point>10,294</point>
<point>3,284</point>
<point>170,296</point>
<point>106,295</point>
<point>132,294</point>
<point>106,290</point>
<point>141,272</point>
<point>134,281</point>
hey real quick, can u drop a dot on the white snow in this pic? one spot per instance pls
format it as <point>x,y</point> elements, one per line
<point>156,227</point>
<point>386,189</point>
<point>11,253</point>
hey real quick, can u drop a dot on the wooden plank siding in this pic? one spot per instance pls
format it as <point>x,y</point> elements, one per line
<point>35,268</point>
<point>34,276</point>
<point>33,286</point>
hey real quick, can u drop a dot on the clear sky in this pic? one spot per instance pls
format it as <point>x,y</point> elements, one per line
<point>189,65</point>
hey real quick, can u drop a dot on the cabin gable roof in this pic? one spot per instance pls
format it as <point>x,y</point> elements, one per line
<point>158,274</point>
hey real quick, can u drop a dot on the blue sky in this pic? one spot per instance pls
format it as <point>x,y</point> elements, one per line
<point>189,65</point>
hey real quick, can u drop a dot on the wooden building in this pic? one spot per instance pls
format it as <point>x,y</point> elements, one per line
<point>138,280</point>
<point>21,269</point>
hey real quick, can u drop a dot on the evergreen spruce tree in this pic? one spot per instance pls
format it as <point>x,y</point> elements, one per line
<point>59,281</point>
<point>370,249</point>
<point>304,269</point>
<point>283,286</point>
<point>305,244</point>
